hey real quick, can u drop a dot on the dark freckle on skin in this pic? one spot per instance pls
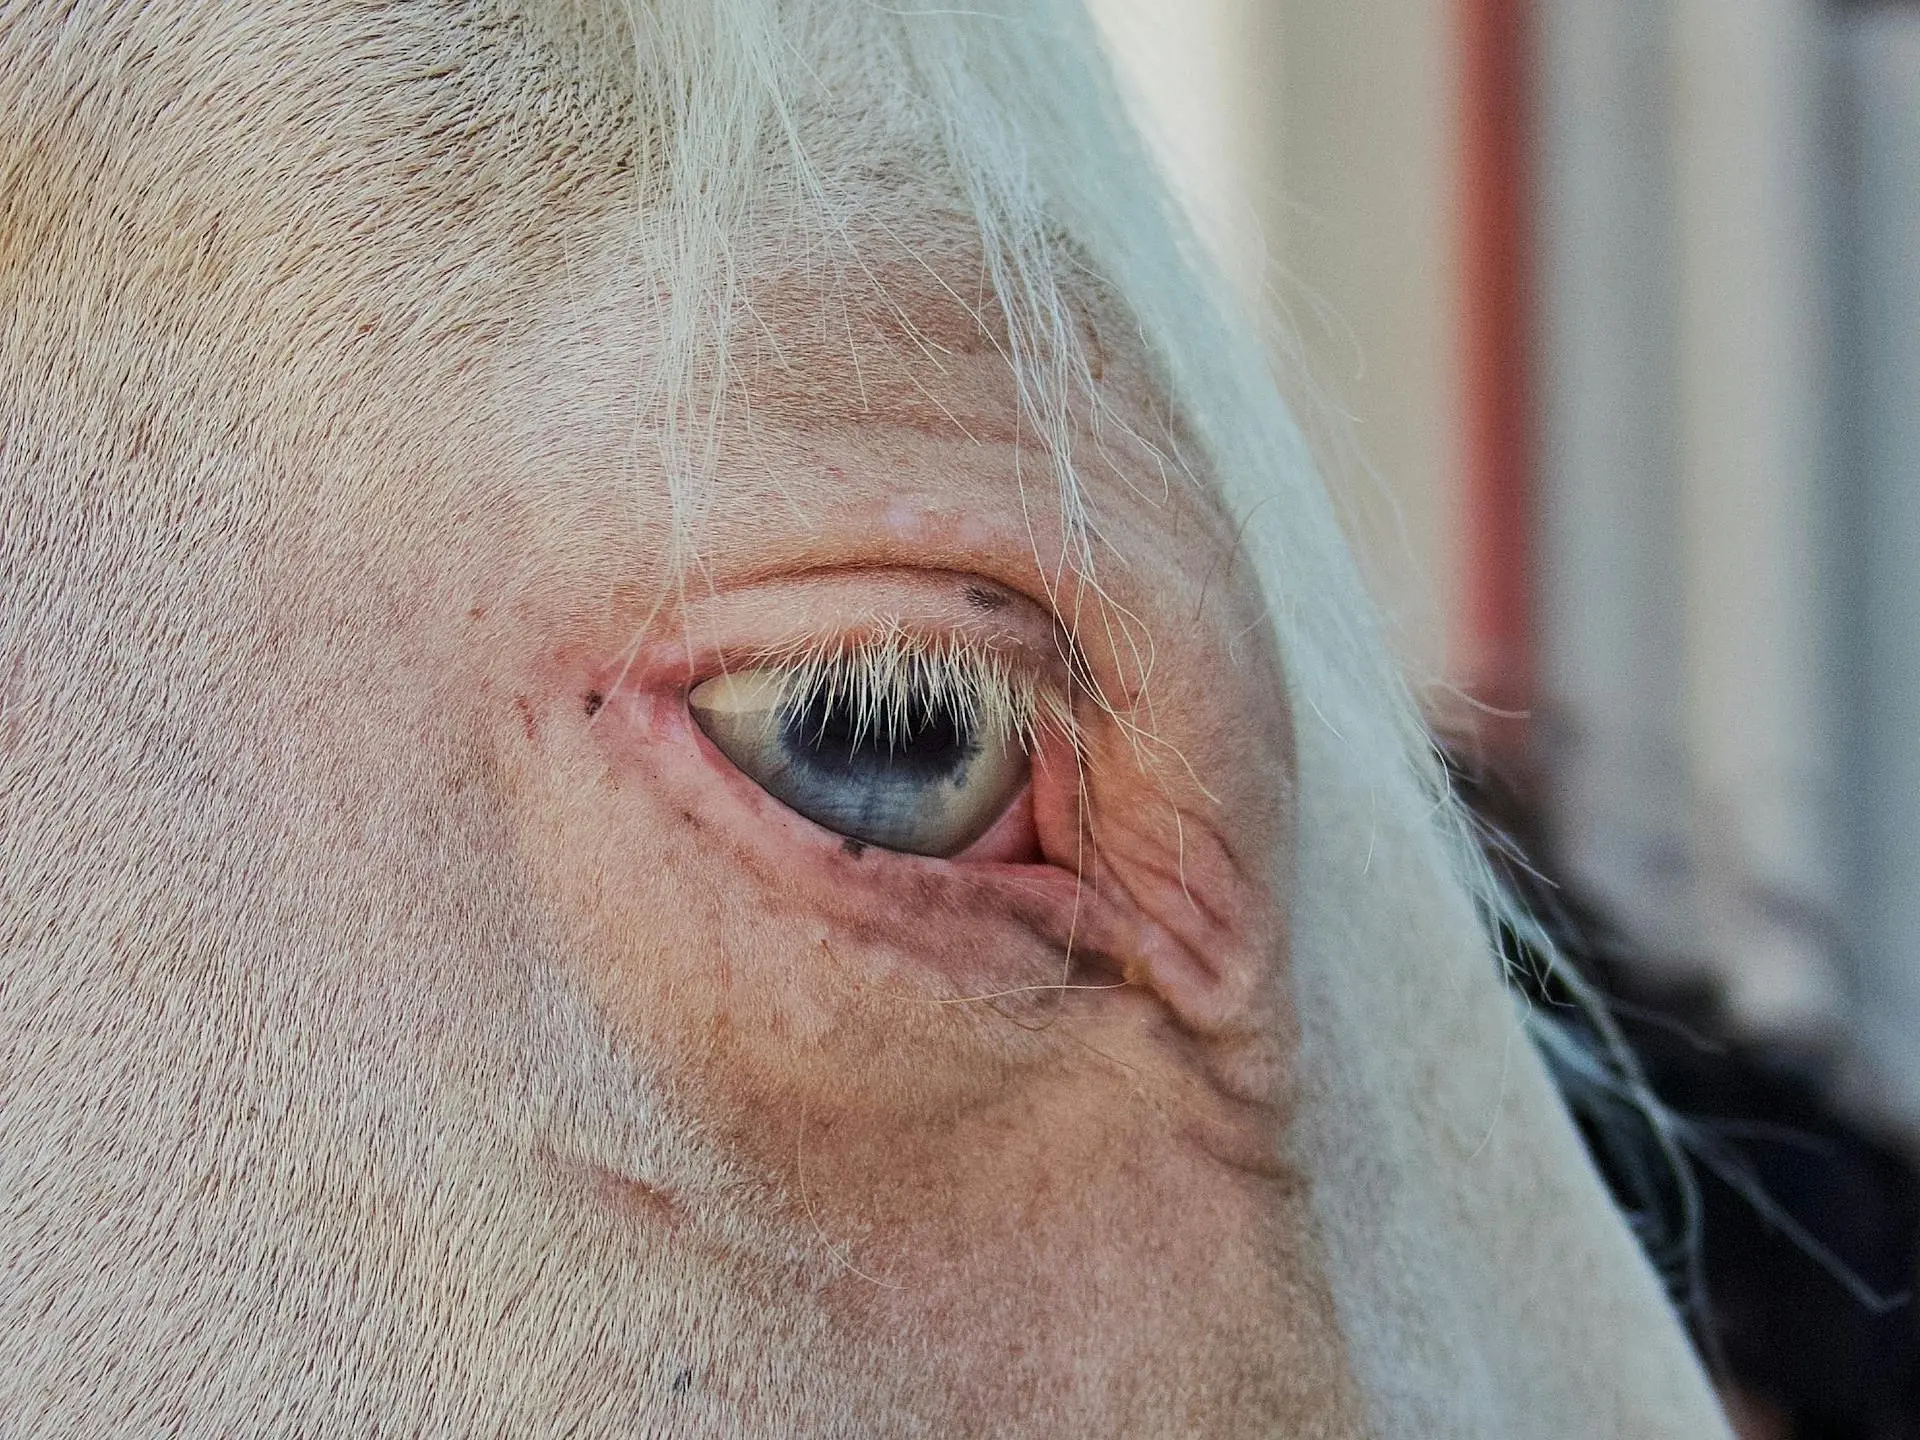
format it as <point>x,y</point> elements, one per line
<point>478,612</point>
<point>521,704</point>
<point>688,816</point>
<point>981,598</point>
<point>852,847</point>
<point>594,701</point>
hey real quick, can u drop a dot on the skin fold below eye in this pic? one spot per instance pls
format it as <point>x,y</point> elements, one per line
<point>920,776</point>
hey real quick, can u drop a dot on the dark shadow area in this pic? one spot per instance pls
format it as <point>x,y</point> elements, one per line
<point>1790,1239</point>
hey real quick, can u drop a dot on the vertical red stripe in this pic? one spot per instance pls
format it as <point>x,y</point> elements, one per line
<point>1494,629</point>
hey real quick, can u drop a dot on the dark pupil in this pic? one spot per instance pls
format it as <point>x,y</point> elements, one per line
<point>930,743</point>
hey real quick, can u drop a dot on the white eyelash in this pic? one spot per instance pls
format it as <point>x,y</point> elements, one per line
<point>887,678</point>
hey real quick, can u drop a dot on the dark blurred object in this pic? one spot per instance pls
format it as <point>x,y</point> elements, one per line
<point>1794,1249</point>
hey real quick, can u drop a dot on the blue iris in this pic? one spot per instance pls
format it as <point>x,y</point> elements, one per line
<point>876,781</point>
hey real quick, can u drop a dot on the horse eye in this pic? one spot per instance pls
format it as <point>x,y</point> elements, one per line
<point>923,778</point>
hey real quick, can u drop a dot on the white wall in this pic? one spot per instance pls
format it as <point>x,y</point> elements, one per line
<point>1689,561</point>
<point>1881,55</point>
<point>1753,213</point>
<point>1613,717</point>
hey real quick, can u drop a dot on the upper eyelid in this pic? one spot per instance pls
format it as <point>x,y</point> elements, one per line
<point>758,625</point>
<point>815,642</point>
<point>735,626</point>
<point>842,645</point>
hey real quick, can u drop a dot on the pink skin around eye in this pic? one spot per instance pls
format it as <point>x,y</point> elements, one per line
<point>1038,907</point>
<point>1026,862</point>
<point>1034,844</point>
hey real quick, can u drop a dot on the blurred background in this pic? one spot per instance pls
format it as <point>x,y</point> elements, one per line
<point>1604,319</point>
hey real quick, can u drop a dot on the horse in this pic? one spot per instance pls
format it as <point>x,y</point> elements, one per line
<point>686,749</point>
